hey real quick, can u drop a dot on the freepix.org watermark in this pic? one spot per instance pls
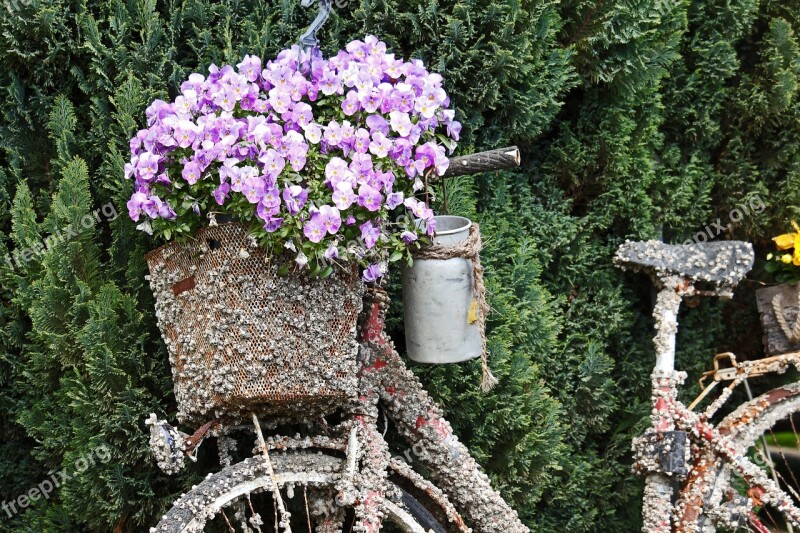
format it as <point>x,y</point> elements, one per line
<point>23,255</point>
<point>45,489</point>
<point>751,206</point>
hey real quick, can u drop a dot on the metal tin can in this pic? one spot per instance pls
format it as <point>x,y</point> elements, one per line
<point>440,308</point>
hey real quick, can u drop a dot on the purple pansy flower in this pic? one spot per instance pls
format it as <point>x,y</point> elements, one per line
<point>221,193</point>
<point>271,198</point>
<point>250,67</point>
<point>330,218</point>
<point>343,196</point>
<point>280,100</point>
<point>185,133</point>
<point>333,133</point>
<point>191,172</point>
<point>150,206</point>
<point>430,225</point>
<point>401,123</point>
<point>369,233</point>
<point>351,104</point>
<point>408,237</point>
<point>330,83</point>
<point>253,189</point>
<point>303,114</point>
<point>403,98</point>
<point>136,205</point>
<point>369,198</point>
<point>380,144</point>
<point>332,252</point>
<point>454,130</point>
<point>257,130</point>
<point>336,171</point>
<point>272,223</point>
<point>371,101</point>
<point>424,156</point>
<point>147,166</point>
<point>377,123</point>
<point>394,199</point>
<point>418,209</point>
<point>315,229</point>
<point>294,197</point>
<point>273,163</point>
<point>313,133</point>
<point>372,273</point>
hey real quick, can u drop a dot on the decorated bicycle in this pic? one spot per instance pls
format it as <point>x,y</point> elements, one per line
<point>737,473</point>
<point>287,188</point>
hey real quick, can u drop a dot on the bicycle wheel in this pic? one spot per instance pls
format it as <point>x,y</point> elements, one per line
<point>715,495</point>
<point>247,485</point>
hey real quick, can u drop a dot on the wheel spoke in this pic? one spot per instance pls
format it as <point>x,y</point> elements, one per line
<point>308,513</point>
<point>789,468</point>
<point>794,430</point>
<point>779,476</point>
<point>254,514</point>
<point>225,516</point>
<point>771,518</point>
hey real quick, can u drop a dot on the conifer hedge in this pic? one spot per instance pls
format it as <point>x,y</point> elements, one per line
<point>636,118</point>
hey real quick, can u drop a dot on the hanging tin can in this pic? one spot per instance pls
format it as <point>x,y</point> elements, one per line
<point>440,306</point>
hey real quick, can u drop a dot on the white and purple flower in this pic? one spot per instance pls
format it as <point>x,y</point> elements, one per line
<point>266,138</point>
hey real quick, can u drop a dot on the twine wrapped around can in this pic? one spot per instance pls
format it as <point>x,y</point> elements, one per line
<point>469,249</point>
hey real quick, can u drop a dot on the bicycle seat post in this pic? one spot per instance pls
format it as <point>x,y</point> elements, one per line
<point>658,506</point>
<point>675,269</point>
<point>671,291</point>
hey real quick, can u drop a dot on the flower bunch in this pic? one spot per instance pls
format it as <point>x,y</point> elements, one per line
<point>324,157</point>
<point>783,265</point>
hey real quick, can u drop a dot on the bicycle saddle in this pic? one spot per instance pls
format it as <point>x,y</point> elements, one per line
<point>722,263</point>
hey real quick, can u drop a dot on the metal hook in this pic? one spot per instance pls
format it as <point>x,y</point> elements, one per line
<point>309,38</point>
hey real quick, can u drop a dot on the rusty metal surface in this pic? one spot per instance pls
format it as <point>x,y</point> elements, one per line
<point>183,286</point>
<point>190,443</point>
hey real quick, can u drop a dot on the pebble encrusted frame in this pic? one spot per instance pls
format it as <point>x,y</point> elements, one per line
<point>243,339</point>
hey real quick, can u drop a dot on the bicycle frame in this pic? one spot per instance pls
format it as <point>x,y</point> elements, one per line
<point>420,421</point>
<point>659,450</point>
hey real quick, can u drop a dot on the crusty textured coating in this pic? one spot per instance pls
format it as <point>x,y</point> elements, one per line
<point>723,263</point>
<point>241,338</point>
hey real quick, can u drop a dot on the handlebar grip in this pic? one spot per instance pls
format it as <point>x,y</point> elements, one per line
<point>498,159</point>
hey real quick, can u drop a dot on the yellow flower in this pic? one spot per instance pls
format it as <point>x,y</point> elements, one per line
<point>788,240</point>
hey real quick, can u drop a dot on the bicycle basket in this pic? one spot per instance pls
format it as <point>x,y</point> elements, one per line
<point>242,339</point>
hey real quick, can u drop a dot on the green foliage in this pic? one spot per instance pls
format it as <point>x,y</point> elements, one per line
<point>636,119</point>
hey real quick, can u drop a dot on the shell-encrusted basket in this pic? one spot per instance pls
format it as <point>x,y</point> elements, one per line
<point>243,339</point>
<point>779,307</point>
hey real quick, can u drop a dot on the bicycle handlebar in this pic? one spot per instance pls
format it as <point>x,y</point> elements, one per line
<point>498,159</point>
